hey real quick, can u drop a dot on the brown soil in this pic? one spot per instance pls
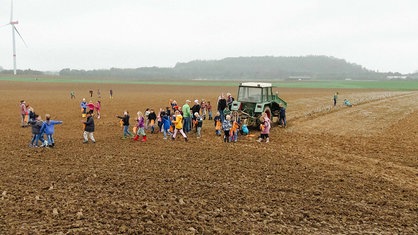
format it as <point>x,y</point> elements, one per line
<point>332,170</point>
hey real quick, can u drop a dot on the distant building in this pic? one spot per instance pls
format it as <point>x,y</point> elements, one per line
<point>299,78</point>
<point>403,77</point>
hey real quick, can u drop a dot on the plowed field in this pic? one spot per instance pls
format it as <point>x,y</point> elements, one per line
<point>332,170</point>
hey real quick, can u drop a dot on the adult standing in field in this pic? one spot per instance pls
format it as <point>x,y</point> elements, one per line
<point>174,106</point>
<point>99,94</point>
<point>282,116</point>
<point>91,92</point>
<point>195,109</point>
<point>209,110</point>
<point>72,95</point>
<point>203,108</point>
<point>221,106</point>
<point>23,112</point>
<point>335,98</point>
<point>229,100</point>
<point>187,117</point>
<point>111,93</point>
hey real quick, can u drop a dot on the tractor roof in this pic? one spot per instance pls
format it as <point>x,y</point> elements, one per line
<point>256,84</point>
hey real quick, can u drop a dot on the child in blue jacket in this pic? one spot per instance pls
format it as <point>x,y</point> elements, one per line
<point>166,123</point>
<point>48,129</point>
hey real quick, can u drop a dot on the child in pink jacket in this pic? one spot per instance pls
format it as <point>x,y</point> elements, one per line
<point>265,128</point>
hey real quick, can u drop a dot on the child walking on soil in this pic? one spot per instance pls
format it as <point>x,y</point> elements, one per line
<point>140,124</point>
<point>178,122</point>
<point>125,124</point>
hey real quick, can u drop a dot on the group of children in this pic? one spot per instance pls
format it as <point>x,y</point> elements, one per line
<point>90,107</point>
<point>170,122</point>
<point>168,125</point>
<point>41,128</point>
<point>231,126</point>
<point>171,125</point>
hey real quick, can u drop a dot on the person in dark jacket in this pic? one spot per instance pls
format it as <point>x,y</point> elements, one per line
<point>152,117</point>
<point>195,109</point>
<point>282,117</point>
<point>89,128</point>
<point>221,106</point>
<point>36,125</point>
<point>125,124</point>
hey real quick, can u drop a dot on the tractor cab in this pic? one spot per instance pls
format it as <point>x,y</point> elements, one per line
<point>254,98</point>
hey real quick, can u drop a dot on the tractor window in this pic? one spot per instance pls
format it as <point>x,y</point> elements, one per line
<point>267,94</point>
<point>249,94</point>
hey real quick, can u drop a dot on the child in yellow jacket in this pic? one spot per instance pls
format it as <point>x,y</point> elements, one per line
<point>178,123</point>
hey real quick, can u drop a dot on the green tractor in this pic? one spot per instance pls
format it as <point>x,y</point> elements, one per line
<point>253,99</point>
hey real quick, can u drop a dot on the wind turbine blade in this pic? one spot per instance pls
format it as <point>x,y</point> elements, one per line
<point>4,25</point>
<point>17,31</point>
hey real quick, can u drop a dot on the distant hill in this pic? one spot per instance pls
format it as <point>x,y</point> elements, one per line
<point>268,67</point>
<point>238,68</point>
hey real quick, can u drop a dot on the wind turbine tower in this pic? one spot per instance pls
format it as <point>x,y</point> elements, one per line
<point>14,29</point>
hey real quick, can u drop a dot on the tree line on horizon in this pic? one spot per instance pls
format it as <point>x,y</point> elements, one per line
<point>239,68</point>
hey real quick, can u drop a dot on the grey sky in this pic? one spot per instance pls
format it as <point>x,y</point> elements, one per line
<point>94,34</point>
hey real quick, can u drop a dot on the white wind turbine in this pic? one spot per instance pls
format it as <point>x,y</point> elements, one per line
<point>14,29</point>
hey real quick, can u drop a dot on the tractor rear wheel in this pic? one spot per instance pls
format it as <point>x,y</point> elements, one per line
<point>267,110</point>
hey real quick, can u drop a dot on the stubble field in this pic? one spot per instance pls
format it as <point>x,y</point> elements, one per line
<point>332,170</point>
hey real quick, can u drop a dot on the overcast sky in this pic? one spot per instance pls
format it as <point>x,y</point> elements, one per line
<point>99,34</point>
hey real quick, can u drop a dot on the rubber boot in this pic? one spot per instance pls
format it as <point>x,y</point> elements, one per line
<point>267,140</point>
<point>136,138</point>
<point>259,140</point>
<point>144,138</point>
